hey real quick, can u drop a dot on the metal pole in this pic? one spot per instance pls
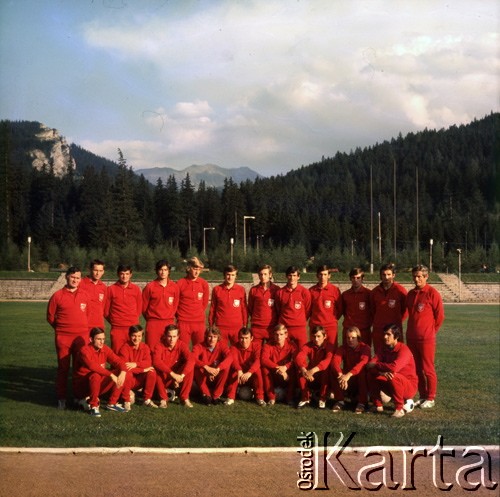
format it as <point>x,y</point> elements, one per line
<point>459,274</point>
<point>29,254</point>
<point>431,243</point>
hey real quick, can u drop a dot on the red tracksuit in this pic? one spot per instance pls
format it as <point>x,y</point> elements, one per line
<point>228,310</point>
<point>92,379</point>
<point>193,302</point>
<point>388,307</point>
<point>97,292</point>
<point>180,360</point>
<point>349,360</point>
<point>425,317</point>
<point>310,356</point>
<point>273,356</point>
<point>247,361</point>
<point>294,306</point>
<point>146,380</point>
<point>123,310</point>
<point>263,311</point>
<point>67,313</point>
<point>159,306</point>
<point>403,385</point>
<point>326,309</point>
<point>357,311</point>
<point>220,357</point>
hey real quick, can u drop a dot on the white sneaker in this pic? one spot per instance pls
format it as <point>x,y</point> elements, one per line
<point>126,406</point>
<point>398,413</point>
<point>321,404</point>
<point>384,397</point>
<point>163,404</point>
<point>61,404</point>
<point>132,397</point>
<point>409,405</point>
<point>150,403</point>
<point>427,404</point>
<point>302,404</point>
<point>187,403</point>
<point>229,402</point>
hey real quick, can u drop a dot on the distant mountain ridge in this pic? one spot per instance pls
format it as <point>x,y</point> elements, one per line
<point>35,145</point>
<point>211,174</point>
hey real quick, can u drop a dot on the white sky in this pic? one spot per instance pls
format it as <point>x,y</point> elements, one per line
<point>267,84</point>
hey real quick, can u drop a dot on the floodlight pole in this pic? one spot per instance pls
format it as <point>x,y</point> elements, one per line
<point>245,233</point>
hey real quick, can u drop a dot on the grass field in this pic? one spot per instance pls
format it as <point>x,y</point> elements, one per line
<point>467,407</point>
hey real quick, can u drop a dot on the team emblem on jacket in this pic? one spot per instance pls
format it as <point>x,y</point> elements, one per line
<point>170,300</point>
<point>420,307</point>
<point>362,306</point>
<point>236,302</point>
<point>101,297</point>
<point>328,304</point>
<point>392,303</point>
<point>200,295</point>
<point>298,305</point>
<point>83,306</point>
<point>270,302</point>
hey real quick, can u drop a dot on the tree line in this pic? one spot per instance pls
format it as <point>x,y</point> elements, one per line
<point>381,203</point>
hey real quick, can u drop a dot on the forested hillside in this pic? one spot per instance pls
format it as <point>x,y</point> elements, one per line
<point>435,184</point>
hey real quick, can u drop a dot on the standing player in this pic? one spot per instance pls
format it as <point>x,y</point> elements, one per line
<point>278,365</point>
<point>294,305</point>
<point>245,369</point>
<point>193,301</point>
<point>313,361</point>
<point>123,306</point>
<point>213,360</point>
<point>160,299</point>
<point>326,305</point>
<point>392,371</point>
<point>97,290</point>
<point>425,317</point>
<point>349,375</point>
<point>93,379</point>
<point>67,313</point>
<point>262,305</point>
<point>175,366</point>
<point>356,306</point>
<point>228,310</point>
<point>137,357</point>
<point>388,304</point>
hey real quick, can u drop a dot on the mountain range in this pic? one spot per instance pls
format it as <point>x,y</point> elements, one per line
<point>38,146</point>
<point>211,174</point>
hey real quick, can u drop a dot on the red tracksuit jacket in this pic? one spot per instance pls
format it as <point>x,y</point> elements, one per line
<point>220,357</point>
<point>92,360</point>
<point>160,302</point>
<point>141,356</point>
<point>294,306</point>
<point>180,356</point>
<point>97,293</point>
<point>349,360</point>
<point>193,299</point>
<point>425,313</point>
<point>228,307</point>
<point>356,308</point>
<point>273,355</point>
<point>246,360</point>
<point>123,304</point>
<point>67,312</point>
<point>326,305</point>
<point>262,305</point>
<point>388,306</point>
<point>311,356</point>
<point>397,360</point>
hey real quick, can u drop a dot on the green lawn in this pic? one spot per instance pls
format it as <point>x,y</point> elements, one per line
<point>467,407</point>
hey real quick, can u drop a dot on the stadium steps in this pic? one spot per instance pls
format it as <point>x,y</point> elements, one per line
<point>459,290</point>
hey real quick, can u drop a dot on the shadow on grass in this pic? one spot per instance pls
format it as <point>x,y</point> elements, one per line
<point>25,384</point>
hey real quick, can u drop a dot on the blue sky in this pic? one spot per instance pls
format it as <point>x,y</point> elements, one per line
<point>267,84</point>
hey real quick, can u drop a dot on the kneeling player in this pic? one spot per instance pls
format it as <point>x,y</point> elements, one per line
<point>137,357</point>
<point>245,369</point>
<point>92,379</point>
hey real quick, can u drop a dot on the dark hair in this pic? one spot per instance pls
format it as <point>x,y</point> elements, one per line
<point>212,330</point>
<point>95,331</point>
<point>123,267</point>
<point>322,268</point>
<point>73,270</point>
<point>245,331</point>
<point>96,262</point>
<point>388,267</point>
<point>265,266</point>
<point>134,329</point>
<point>230,268</point>
<point>161,263</point>
<point>355,271</point>
<point>168,329</point>
<point>320,329</point>
<point>292,269</point>
<point>394,329</point>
